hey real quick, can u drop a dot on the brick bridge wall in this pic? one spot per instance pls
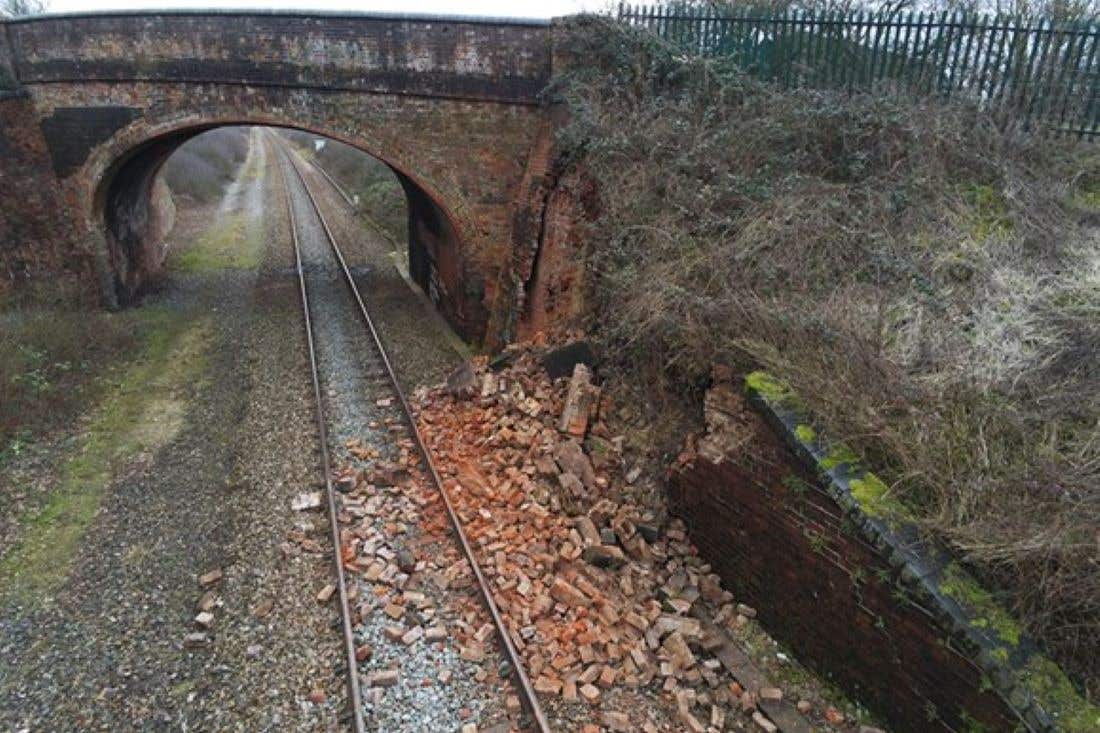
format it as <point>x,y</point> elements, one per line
<point>91,105</point>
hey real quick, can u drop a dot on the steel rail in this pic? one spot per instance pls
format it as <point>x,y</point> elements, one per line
<point>528,696</point>
<point>354,697</point>
<point>339,189</point>
<point>351,204</point>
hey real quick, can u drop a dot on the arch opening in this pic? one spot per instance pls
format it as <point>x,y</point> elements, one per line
<point>134,208</point>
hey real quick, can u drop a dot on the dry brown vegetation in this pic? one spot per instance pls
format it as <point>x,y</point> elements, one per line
<point>204,165</point>
<point>47,357</point>
<point>927,280</point>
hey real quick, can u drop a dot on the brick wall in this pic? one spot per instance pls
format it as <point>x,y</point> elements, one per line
<point>784,546</point>
<point>451,105</point>
<point>36,234</point>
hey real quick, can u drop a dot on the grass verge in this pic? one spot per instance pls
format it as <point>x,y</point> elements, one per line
<point>230,242</point>
<point>142,412</point>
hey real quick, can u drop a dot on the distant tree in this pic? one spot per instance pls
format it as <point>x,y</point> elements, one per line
<point>21,8</point>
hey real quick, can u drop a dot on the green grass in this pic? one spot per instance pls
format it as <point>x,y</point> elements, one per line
<point>988,211</point>
<point>138,415</point>
<point>234,241</point>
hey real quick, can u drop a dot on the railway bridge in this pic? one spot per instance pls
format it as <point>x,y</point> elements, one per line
<point>91,105</point>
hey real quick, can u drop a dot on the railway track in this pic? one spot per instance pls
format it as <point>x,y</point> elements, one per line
<point>328,291</point>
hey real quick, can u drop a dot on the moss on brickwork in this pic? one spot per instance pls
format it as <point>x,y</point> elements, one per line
<point>805,433</point>
<point>840,455</point>
<point>1041,678</point>
<point>769,387</point>
<point>874,497</point>
<point>1056,693</point>
<point>988,614</point>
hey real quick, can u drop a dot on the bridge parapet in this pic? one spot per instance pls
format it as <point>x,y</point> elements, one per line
<point>479,59</point>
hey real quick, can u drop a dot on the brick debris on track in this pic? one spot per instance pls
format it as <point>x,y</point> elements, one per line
<point>621,624</point>
<point>425,646</point>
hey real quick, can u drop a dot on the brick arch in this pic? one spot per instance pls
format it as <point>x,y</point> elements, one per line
<point>117,185</point>
<point>452,104</point>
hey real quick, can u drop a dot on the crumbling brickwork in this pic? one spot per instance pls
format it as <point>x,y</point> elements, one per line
<point>452,105</point>
<point>785,547</point>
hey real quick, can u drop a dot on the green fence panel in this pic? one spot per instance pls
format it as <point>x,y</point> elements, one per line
<point>1037,71</point>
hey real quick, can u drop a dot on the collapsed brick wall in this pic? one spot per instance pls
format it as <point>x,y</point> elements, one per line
<point>785,547</point>
<point>556,288</point>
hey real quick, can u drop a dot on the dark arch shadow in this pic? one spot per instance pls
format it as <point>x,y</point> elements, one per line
<point>124,201</point>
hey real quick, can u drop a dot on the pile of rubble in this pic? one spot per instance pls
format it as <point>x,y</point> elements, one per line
<point>425,644</point>
<point>618,619</point>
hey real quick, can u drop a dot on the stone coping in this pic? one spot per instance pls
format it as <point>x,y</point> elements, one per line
<point>1034,687</point>
<point>286,13</point>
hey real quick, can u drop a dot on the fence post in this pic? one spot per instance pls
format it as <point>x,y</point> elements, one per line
<point>1034,67</point>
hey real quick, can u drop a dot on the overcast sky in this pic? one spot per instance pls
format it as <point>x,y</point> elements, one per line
<point>500,8</point>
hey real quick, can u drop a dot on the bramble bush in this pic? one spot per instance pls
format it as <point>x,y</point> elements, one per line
<point>925,277</point>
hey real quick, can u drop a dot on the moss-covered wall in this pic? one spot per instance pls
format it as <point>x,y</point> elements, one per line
<point>824,553</point>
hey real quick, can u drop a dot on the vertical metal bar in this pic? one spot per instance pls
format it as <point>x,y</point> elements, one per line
<point>779,46</point>
<point>890,28</point>
<point>963,68</point>
<point>854,28</point>
<point>952,68</point>
<point>947,68</point>
<point>836,48</point>
<point>1090,68</point>
<point>820,40</point>
<point>1053,62</point>
<point>1088,118</point>
<point>900,63</point>
<point>1042,68</point>
<point>876,26</point>
<point>1061,86</point>
<point>987,62</point>
<point>1025,83</point>
<point>799,48</point>
<point>913,58</point>
<point>1013,42</point>
<point>943,44</point>
<point>784,39</point>
<point>814,30</point>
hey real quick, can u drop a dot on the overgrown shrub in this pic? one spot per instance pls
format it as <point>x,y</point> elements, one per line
<point>926,279</point>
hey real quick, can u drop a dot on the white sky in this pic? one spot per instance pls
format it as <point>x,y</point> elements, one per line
<point>499,8</point>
